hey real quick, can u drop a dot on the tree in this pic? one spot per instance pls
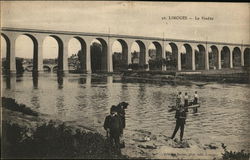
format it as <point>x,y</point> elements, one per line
<point>135,57</point>
<point>171,61</point>
<point>96,57</point>
<point>5,66</point>
<point>82,59</point>
<point>117,61</point>
<point>19,65</point>
<point>156,63</point>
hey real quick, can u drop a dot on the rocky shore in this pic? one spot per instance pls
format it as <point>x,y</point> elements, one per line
<point>146,145</point>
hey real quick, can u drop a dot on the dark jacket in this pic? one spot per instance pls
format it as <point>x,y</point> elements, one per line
<point>113,123</point>
<point>121,113</point>
<point>180,114</point>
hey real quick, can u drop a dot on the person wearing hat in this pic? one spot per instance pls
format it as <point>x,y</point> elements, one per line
<point>113,126</point>
<point>186,102</point>
<point>195,101</point>
<point>179,99</point>
<point>121,107</point>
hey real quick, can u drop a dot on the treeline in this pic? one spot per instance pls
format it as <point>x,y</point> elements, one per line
<point>19,65</point>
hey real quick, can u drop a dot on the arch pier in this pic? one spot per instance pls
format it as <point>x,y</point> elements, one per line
<point>187,55</point>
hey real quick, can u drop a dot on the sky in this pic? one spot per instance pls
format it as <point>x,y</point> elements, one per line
<point>230,21</point>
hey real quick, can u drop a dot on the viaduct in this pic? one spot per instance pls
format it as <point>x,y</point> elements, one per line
<point>227,55</point>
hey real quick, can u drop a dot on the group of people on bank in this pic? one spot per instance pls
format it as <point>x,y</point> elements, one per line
<point>115,122</point>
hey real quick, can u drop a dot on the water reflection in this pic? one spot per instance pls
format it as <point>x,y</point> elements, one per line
<point>86,100</point>
<point>10,82</point>
<point>98,80</point>
<point>82,80</point>
<point>141,92</point>
<point>109,79</point>
<point>88,80</point>
<point>60,106</point>
<point>35,100</point>
<point>35,81</point>
<point>60,81</point>
<point>85,80</point>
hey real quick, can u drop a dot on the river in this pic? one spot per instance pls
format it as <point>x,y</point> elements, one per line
<point>86,100</point>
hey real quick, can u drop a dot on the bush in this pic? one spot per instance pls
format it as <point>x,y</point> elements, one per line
<point>11,104</point>
<point>136,66</point>
<point>230,155</point>
<point>54,141</point>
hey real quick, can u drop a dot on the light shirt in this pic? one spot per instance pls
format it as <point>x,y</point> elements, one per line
<point>196,95</point>
<point>186,97</point>
<point>181,99</point>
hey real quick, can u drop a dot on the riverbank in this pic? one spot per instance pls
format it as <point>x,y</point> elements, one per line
<point>184,77</point>
<point>31,135</point>
<point>188,77</point>
<point>42,136</point>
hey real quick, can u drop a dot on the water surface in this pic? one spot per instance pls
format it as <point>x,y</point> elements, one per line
<point>86,100</point>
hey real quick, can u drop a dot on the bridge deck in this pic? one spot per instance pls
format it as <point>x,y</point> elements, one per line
<point>114,35</point>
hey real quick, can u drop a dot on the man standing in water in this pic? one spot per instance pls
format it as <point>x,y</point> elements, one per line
<point>186,102</point>
<point>180,116</point>
<point>195,97</point>
<point>179,100</point>
<point>195,101</point>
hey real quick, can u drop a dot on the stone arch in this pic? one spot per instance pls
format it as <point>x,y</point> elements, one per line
<point>213,56</point>
<point>7,61</point>
<point>124,49</point>
<point>200,57</point>
<point>46,68</point>
<point>99,58</point>
<point>172,57</point>
<point>81,53</point>
<point>120,59</point>
<point>236,57</point>
<point>158,49</point>
<point>60,53</point>
<point>142,55</point>
<point>35,51</point>
<point>247,57</point>
<point>29,68</point>
<point>55,68</point>
<point>225,57</point>
<point>156,55</point>
<point>186,57</point>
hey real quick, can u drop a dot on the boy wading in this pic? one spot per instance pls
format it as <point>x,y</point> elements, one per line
<point>180,116</point>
